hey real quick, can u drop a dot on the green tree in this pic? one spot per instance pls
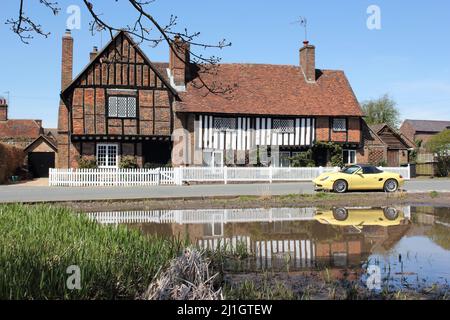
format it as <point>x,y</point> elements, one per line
<point>440,146</point>
<point>381,110</point>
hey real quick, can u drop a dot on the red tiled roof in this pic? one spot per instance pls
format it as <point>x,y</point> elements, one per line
<point>428,125</point>
<point>261,89</point>
<point>15,128</point>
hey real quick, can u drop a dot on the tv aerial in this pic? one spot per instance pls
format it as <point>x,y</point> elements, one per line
<point>303,22</point>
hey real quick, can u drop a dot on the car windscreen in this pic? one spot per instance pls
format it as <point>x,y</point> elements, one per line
<point>350,170</point>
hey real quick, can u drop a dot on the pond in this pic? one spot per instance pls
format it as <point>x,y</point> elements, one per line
<point>407,246</point>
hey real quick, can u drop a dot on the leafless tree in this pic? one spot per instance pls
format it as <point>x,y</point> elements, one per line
<point>145,29</point>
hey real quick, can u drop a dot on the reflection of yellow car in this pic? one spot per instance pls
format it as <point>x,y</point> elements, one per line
<point>359,177</point>
<point>384,217</point>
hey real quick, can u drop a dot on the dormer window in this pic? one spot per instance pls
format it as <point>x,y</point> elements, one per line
<point>122,107</point>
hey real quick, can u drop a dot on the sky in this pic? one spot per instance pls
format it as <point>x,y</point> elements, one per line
<point>408,57</point>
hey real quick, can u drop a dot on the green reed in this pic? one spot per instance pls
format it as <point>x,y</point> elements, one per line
<point>38,243</point>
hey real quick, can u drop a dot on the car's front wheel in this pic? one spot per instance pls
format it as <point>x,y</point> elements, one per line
<point>340,186</point>
<point>390,185</point>
<point>340,214</point>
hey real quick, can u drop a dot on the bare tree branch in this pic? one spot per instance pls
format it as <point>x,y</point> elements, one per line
<point>145,29</point>
<point>24,26</point>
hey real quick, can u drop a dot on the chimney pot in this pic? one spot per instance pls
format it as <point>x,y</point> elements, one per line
<point>93,54</point>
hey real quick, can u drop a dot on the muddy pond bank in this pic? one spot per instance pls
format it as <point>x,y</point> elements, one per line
<point>294,200</point>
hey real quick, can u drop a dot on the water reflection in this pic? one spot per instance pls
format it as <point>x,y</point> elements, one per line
<point>408,244</point>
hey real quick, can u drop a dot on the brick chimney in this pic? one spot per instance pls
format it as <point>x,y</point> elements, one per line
<point>63,159</point>
<point>179,62</point>
<point>308,61</point>
<point>3,109</point>
<point>67,60</point>
<point>93,54</point>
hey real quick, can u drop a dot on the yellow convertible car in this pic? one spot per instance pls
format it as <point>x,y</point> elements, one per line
<point>360,217</point>
<point>359,177</point>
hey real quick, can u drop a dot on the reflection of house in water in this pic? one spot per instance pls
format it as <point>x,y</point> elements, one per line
<point>276,236</point>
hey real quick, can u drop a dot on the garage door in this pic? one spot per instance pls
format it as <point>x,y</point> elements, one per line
<point>40,163</point>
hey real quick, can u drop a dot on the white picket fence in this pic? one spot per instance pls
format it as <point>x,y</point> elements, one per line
<point>113,177</point>
<point>177,176</point>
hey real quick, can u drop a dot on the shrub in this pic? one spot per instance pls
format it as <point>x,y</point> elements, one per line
<point>87,163</point>
<point>335,150</point>
<point>11,159</point>
<point>303,159</point>
<point>440,146</point>
<point>443,166</point>
<point>128,162</point>
<point>39,243</point>
<point>381,163</point>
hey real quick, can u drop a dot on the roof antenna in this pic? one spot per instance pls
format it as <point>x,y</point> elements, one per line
<point>100,29</point>
<point>304,23</point>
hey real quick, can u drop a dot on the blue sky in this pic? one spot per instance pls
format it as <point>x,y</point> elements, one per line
<point>409,58</point>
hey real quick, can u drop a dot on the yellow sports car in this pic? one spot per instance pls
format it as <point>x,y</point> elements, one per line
<point>360,217</point>
<point>359,177</point>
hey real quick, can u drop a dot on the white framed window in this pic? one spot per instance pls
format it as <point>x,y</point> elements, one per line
<point>349,156</point>
<point>339,125</point>
<point>213,159</point>
<point>215,228</point>
<point>224,124</point>
<point>107,155</point>
<point>283,125</point>
<point>122,107</point>
<point>285,161</point>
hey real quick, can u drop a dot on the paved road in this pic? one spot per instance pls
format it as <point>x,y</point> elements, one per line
<point>24,193</point>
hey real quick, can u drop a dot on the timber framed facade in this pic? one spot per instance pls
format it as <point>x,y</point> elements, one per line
<point>123,104</point>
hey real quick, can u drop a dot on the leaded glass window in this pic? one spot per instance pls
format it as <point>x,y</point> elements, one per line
<point>339,125</point>
<point>122,107</point>
<point>283,125</point>
<point>224,124</point>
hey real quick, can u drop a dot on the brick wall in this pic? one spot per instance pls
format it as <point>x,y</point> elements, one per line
<point>323,129</point>
<point>354,130</point>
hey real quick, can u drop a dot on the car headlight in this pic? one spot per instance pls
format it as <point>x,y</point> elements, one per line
<point>325,178</point>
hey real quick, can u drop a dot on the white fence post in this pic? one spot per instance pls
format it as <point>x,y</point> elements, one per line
<point>271,174</point>
<point>225,175</point>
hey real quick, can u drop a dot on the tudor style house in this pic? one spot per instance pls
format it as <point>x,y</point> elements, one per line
<point>124,104</point>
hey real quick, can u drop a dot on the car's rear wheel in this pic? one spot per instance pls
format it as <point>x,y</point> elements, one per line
<point>390,185</point>
<point>390,213</point>
<point>340,214</point>
<point>340,186</point>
